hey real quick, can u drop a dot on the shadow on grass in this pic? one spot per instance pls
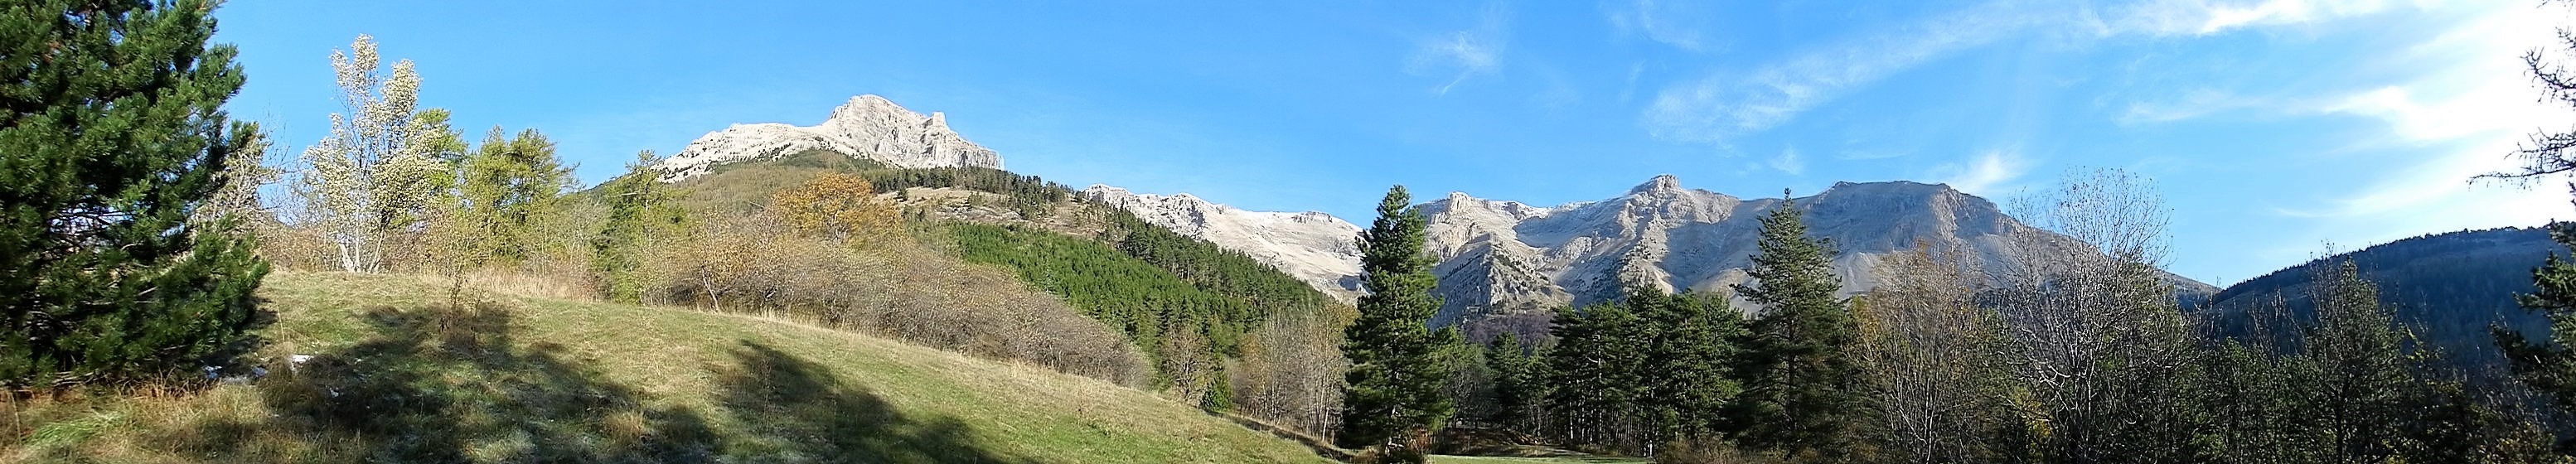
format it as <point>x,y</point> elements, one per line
<point>450,385</point>
<point>808,414</point>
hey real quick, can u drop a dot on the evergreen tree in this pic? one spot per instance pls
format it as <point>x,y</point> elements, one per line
<point>1598,371</point>
<point>1509,364</point>
<point>509,186</point>
<point>1394,384</point>
<point>115,133</point>
<point>1690,342</point>
<point>2359,351</point>
<point>2549,366</point>
<point>639,209</point>
<point>1801,395</point>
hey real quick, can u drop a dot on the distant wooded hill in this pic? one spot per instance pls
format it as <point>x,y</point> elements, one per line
<point>2451,287</point>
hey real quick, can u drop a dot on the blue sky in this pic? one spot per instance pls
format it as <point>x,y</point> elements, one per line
<point>2275,127</point>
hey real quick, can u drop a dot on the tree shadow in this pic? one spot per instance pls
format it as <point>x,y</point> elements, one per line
<point>449,385</point>
<point>804,413</point>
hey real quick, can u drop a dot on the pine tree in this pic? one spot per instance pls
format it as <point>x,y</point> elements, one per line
<point>1690,342</point>
<point>115,133</point>
<point>508,186</point>
<point>2359,350</point>
<point>640,208</point>
<point>1394,384</point>
<point>1801,393</point>
<point>1518,381</point>
<point>1598,371</point>
<point>2549,366</point>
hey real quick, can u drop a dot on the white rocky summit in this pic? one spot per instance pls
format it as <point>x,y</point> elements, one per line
<point>1501,264</point>
<point>867,127</point>
<point>1506,263</point>
<point>1313,247</point>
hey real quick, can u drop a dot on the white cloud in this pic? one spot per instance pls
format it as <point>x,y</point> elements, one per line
<point>2193,104</point>
<point>1466,53</point>
<point>1985,175</point>
<point>2205,17</point>
<point>1682,25</point>
<point>2468,111</point>
<point>1721,106</point>
<point>1788,162</point>
<point>1724,105</point>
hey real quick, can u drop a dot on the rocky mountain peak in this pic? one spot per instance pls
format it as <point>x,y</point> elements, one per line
<point>1662,183</point>
<point>867,127</point>
<point>1312,246</point>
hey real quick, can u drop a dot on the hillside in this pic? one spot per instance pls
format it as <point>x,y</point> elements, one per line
<point>398,377</point>
<point>2451,286</point>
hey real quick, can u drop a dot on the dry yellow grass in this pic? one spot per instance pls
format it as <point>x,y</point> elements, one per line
<point>403,376</point>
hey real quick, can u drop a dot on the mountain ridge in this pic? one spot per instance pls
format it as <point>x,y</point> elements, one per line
<point>867,126</point>
<point>1495,257</point>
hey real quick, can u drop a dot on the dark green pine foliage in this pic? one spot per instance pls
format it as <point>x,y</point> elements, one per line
<point>638,208</point>
<point>113,133</point>
<point>1690,344</point>
<point>2549,365</point>
<point>1801,394</point>
<point>1394,383</point>
<point>1598,371</point>
<point>2257,407</point>
<point>1520,382</point>
<point>507,185</point>
<point>2359,353</point>
<point>1131,295</point>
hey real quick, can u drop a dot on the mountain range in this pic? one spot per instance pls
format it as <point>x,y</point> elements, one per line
<point>1497,259</point>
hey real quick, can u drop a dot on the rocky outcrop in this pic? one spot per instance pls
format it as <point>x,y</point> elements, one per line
<point>1504,258</point>
<point>867,127</point>
<point>1313,247</point>
<point>1501,257</point>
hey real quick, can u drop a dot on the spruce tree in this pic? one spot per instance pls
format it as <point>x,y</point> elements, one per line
<point>115,133</point>
<point>1393,392</point>
<point>1801,395</point>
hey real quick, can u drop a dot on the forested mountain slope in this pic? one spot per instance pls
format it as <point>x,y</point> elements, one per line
<point>2452,286</point>
<point>1220,328</point>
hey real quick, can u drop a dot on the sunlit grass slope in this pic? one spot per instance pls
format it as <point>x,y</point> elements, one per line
<point>402,375</point>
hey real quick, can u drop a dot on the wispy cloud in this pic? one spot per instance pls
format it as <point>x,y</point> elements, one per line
<point>2469,110</point>
<point>1986,174</point>
<point>1683,25</point>
<point>1728,104</point>
<point>2204,17</point>
<point>1724,105</point>
<point>1789,162</point>
<point>2192,104</point>
<point>1464,54</point>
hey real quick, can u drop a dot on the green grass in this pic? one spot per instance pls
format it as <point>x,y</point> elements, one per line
<point>402,376</point>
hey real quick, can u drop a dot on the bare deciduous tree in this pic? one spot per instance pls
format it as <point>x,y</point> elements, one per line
<point>2103,346</point>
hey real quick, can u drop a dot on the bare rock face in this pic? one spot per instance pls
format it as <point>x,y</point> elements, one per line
<point>1313,247</point>
<point>1508,263</point>
<point>867,127</point>
<point>1501,259</point>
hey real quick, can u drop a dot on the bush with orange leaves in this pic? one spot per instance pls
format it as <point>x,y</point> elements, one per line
<point>838,206</point>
